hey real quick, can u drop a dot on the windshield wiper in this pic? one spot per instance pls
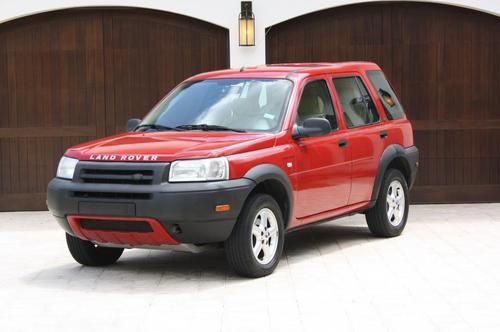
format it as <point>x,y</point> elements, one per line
<point>155,126</point>
<point>206,127</point>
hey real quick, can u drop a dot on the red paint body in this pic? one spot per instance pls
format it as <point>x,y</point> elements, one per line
<point>158,236</point>
<point>327,180</point>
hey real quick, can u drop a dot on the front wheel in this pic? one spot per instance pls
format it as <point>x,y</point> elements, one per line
<point>388,217</point>
<point>255,246</point>
<point>87,253</point>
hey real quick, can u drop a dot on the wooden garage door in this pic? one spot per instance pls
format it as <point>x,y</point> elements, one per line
<point>443,61</point>
<point>71,76</point>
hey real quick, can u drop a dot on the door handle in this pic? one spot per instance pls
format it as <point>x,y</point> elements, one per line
<point>342,142</point>
<point>383,134</point>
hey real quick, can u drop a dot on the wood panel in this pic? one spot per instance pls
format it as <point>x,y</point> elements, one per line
<point>71,76</point>
<point>142,67</point>
<point>49,99</point>
<point>442,61</point>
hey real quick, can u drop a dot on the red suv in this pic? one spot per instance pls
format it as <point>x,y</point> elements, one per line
<point>240,157</point>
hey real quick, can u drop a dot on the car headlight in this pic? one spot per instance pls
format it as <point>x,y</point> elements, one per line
<point>199,170</point>
<point>66,168</point>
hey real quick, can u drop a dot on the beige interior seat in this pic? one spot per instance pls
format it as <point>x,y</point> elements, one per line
<point>311,106</point>
<point>354,112</point>
<point>247,113</point>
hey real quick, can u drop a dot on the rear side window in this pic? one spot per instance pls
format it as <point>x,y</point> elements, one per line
<point>357,105</point>
<point>392,108</point>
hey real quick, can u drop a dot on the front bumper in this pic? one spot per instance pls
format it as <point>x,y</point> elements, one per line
<point>186,211</point>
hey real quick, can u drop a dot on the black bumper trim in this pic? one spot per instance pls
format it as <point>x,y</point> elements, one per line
<point>186,210</point>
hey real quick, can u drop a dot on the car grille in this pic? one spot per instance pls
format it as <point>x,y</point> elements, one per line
<point>121,173</point>
<point>127,181</point>
<point>118,176</point>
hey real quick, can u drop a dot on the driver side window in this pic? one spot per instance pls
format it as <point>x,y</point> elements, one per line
<point>316,102</point>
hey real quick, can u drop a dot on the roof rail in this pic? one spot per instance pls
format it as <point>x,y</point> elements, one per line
<point>291,72</point>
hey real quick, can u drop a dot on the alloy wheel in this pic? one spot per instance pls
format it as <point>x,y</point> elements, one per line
<point>265,236</point>
<point>395,203</point>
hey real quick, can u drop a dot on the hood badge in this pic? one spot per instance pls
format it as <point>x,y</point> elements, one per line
<point>124,157</point>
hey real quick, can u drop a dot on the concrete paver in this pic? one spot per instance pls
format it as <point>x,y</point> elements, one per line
<point>442,274</point>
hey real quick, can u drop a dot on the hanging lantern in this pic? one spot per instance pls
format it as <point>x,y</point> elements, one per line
<point>247,24</point>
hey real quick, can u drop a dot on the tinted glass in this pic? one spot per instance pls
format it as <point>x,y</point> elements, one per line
<point>392,107</point>
<point>357,106</point>
<point>244,104</point>
<point>316,102</point>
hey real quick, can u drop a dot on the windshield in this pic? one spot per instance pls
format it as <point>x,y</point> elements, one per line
<point>222,104</point>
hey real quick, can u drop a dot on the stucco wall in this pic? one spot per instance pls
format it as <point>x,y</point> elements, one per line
<point>221,12</point>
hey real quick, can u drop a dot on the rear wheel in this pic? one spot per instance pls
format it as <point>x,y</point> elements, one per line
<point>87,253</point>
<point>389,215</point>
<point>256,243</point>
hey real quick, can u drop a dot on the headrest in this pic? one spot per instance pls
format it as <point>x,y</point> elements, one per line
<point>310,106</point>
<point>245,106</point>
<point>249,104</point>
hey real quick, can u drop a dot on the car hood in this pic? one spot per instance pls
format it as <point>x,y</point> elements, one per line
<point>168,146</point>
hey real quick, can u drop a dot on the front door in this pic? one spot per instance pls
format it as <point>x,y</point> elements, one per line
<point>322,164</point>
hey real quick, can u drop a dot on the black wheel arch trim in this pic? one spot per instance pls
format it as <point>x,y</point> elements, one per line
<point>263,172</point>
<point>409,156</point>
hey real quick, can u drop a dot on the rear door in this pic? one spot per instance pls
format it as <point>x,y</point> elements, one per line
<point>322,164</point>
<point>366,133</point>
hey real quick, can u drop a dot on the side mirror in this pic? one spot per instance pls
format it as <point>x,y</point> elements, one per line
<point>132,124</point>
<point>312,127</point>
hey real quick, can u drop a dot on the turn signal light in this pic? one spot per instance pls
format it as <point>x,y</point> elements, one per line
<point>223,208</point>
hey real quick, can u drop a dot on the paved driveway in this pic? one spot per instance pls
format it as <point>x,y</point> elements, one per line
<point>442,274</point>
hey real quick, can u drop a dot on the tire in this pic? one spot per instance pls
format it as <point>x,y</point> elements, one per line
<point>393,197</point>
<point>240,245</point>
<point>87,253</point>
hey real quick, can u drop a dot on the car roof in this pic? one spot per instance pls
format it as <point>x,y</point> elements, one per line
<point>288,70</point>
